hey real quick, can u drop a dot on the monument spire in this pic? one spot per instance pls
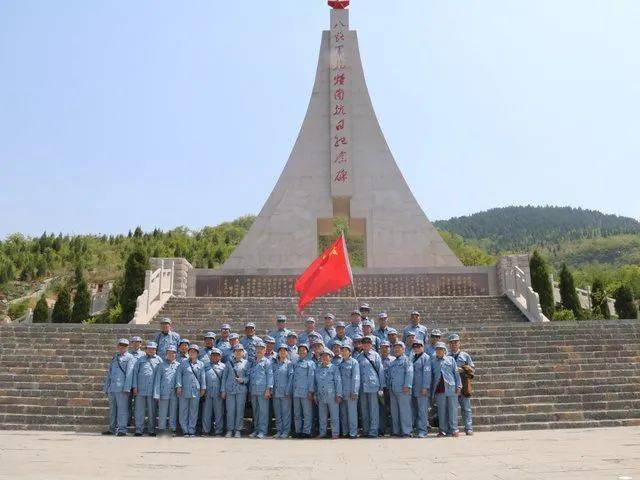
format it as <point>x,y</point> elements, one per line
<point>340,167</point>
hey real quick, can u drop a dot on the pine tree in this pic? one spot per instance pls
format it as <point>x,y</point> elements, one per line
<point>134,272</point>
<point>541,283</point>
<point>81,303</point>
<point>41,311</point>
<point>599,303</point>
<point>62,308</point>
<point>568,293</point>
<point>625,305</point>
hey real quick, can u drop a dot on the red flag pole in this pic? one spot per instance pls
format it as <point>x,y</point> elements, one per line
<point>353,283</point>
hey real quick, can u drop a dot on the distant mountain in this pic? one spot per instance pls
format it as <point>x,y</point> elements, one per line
<point>512,229</point>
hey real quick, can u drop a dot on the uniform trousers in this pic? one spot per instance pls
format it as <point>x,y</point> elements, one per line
<point>282,409</point>
<point>328,407</point>
<point>145,407</point>
<point>302,415</point>
<point>369,408</point>
<point>235,410</point>
<point>447,413</point>
<point>167,407</point>
<point>349,417</point>
<point>213,414</point>
<point>118,411</point>
<point>465,408</point>
<point>420,409</point>
<point>401,420</point>
<point>260,407</point>
<point>189,414</point>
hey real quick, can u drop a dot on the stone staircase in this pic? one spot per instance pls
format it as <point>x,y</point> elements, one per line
<point>529,376</point>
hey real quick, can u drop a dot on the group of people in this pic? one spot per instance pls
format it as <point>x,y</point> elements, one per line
<point>349,380</point>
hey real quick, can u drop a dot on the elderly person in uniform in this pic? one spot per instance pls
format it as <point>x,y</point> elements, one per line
<point>191,384</point>
<point>421,388</point>
<point>213,408</point>
<point>166,337</point>
<point>183,350</point>
<point>336,348</point>
<point>401,377</point>
<point>303,388</point>
<point>260,387</point>
<point>371,387</point>
<point>341,335</point>
<point>350,376</point>
<point>292,346</point>
<point>250,340</point>
<point>164,391</point>
<point>365,311</point>
<point>465,367</point>
<point>310,328</point>
<point>419,331</point>
<point>354,329</point>
<point>270,343</point>
<point>385,407</point>
<point>367,331</point>
<point>117,386</point>
<point>281,331</point>
<point>282,390</point>
<point>328,332</point>
<point>136,347</point>
<point>222,341</point>
<point>383,326</point>
<point>234,390</point>
<point>328,394</point>
<point>392,336</point>
<point>144,373</point>
<point>209,343</point>
<point>434,338</point>
<point>446,385</point>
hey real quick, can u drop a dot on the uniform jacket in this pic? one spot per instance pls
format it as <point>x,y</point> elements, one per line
<point>336,360</point>
<point>205,355</point>
<point>303,377</point>
<point>303,337</point>
<point>120,373</point>
<point>350,376</point>
<point>164,383</point>
<point>420,331</point>
<point>447,368</point>
<point>328,383</point>
<point>191,378</point>
<point>328,334</point>
<point>386,363</point>
<point>143,374</point>
<point>371,372</point>
<point>164,340</point>
<point>381,333</point>
<point>346,340</point>
<point>249,344</point>
<point>137,353</point>
<point>421,374</point>
<point>260,376</point>
<point>401,373</point>
<point>280,336</point>
<point>353,331</point>
<point>282,378</point>
<point>214,373</point>
<point>225,348</point>
<point>232,370</point>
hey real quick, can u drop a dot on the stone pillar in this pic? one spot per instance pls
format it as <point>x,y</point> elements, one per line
<point>182,271</point>
<point>505,263</point>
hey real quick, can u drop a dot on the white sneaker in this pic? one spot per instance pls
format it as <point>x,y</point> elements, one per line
<point>228,434</point>
<point>253,435</point>
<point>237,435</point>
<point>260,436</point>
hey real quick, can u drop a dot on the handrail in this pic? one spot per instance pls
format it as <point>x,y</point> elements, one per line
<point>518,288</point>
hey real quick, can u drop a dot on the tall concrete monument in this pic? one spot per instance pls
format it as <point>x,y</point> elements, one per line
<point>341,167</point>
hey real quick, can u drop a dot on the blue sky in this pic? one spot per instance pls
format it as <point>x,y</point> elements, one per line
<point>163,113</point>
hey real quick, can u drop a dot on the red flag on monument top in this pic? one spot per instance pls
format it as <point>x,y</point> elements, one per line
<point>329,272</point>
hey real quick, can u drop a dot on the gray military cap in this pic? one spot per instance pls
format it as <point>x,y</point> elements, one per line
<point>151,345</point>
<point>268,339</point>
<point>365,306</point>
<point>333,343</point>
<point>436,333</point>
<point>367,339</point>
<point>259,344</point>
<point>123,341</point>
<point>358,338</point>
<point>330,315</point>
<point>383,315</point>
<point>216,351</point>
<point>194,347</point>
<point>165,320</point>
<point>440,345</point>
<point>415,312</point>
<point>347,345</point>
<point>172,348</point>
<point>283,345</point>
<point>136,339</point>
<point>355,312</point>
<point>249,325</point>
<point>453,337</point>
<point>292,334</point>
<point>326,351</point>
<point>315,340</point>
<point>238,347</point>
<point>304,345</point>
<point>281,318</point>
<point>399,344</point>
<point>233,335</point>
<point>417,341</point>
<point>310,320</point>
<point>225,326</point>
<point>209,335</point>
<point>367,323</point>
<point>184,340</point>
<point>385,343</point>
<point>392,331</point>
<point>340,324</point>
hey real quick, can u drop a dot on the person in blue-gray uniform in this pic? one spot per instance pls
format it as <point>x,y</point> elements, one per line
<point>222,340</point>
<point>434,338</point>
<point>183,350</point>
<point>213,408</point>
<point>401,377</point>
<point>117,386</point>
<point>227,348</point>
<point>209,343</point>
<point>367,331</point>
<point>135,347</point>
<point>191,384</point>
<point>303,388</point>
<point>292,346</point>
<point>250,340</point>
<point>270,344</point>
<point>371,387</point>
<point>365,311</point>
<point>354,329</point>
<point>446,385</point>
<point>281,331</point>
<point>144,373</point>
<point>310,330</point>
<point>392,336</point>
<point>421,388</point>
<point>164,391</point>
<point>166,337</point>
<point>282,391</point>
<point>350,376</point>
<point>234,390</point>
<point>383,326</point>
<point>419,331</point>
<point>328,394</point>
<point>336,348</point>
<point>341,334</point>
<point>385,406</point>
<point>260,389</point>
<point>466,369</point>
<point>328,332</point>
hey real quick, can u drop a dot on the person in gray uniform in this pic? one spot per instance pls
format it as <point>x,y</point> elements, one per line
<point>328,394</point>
<point>166,337</point>
<point>371,387</point>
<point>270,351</point>
<point>466,368</point>
<point>303,388</point>
<point>421,388</point>
<point>385,406</point>
<point>383,326</point>
<point>446,385</point>
<point>142,387</point>
<point>367,331</point>
<point>136,347</point>
<point>117,386</point>
<point>392,336</point>
<point>310,330</point>
<point>292,346</point>
<point>282,390</point>
<point>341,335</point>
<point>350,376</point>
<point>191,384</point>
<point>260,387</point>
<point>280,333</point>
<point>164,391</point>
<point>328,332</point>
<point>419,331</point>
<point>250,340</point>
<point>222,341</point>
<point>336,348</point>
<point>213,408</point>
<point>354,329</point>
<point>234,390</point>
<point>434,338</point>
<point>183,350</point>
<point>401,376</point>
<point>209,343</point>
<point>227,348</point>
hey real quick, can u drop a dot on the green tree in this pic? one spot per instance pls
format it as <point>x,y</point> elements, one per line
<point>599,304</point>
<point>134,271</point>
<point>625,305</point>
<point>568,293</point>
<point>81,303</point>
<point>541,283</point>
<point>41,311</point>
<point>62,308</point>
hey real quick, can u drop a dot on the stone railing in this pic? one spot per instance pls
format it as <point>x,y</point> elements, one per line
<point>169,278</point>
<point>517,285</point>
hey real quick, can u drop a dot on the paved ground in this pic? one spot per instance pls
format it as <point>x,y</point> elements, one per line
<point>608,453</point>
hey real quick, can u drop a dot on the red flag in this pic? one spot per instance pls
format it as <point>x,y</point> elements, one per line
<point>329,272</point>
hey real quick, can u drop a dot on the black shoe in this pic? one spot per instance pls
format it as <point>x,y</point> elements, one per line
<point>107,432</point>
<point>137,434</point>
<point>121,434</point>
<point>152,434</point>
